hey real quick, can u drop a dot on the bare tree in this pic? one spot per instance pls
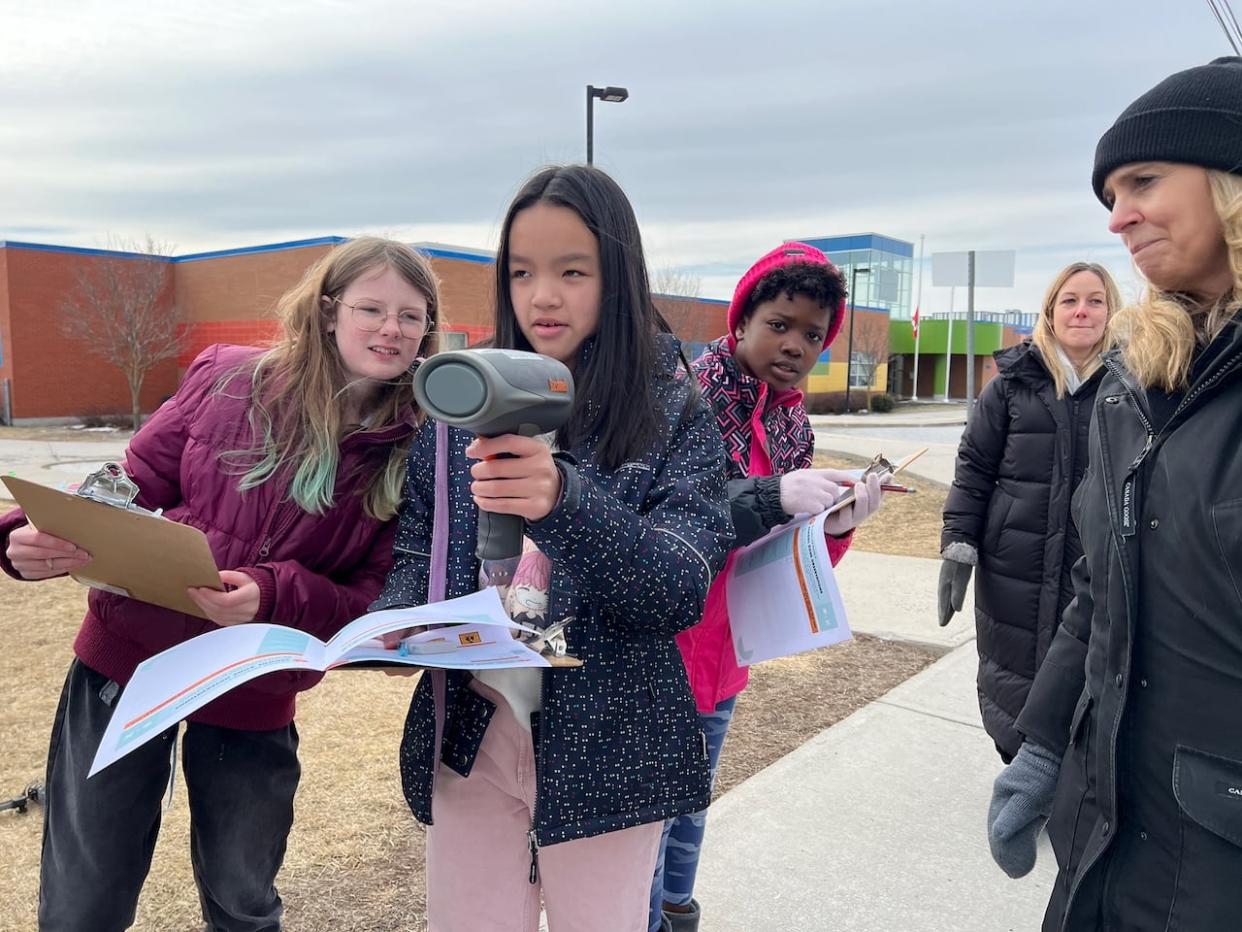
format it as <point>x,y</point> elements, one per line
<point>122,311</point>
<point>678,290</point>
<point>870,349</point>
<point>676,283</point>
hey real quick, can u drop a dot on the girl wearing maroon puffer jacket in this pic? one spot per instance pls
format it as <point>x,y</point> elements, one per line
<point>290,461</point>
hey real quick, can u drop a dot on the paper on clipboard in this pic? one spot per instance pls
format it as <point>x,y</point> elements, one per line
<point>133,553</point>
<point>877,465</point>
<point>782,594</point>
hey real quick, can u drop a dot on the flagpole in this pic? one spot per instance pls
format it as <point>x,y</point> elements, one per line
<point>918,303</point>
<point>948,347</point>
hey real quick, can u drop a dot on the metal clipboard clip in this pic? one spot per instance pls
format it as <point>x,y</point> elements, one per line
<point>552,645</point>
<point>109,485</point>
<point>878,466</point>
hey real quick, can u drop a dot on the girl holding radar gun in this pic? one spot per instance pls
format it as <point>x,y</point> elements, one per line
<point>555,783</point>
<point>291,462</point>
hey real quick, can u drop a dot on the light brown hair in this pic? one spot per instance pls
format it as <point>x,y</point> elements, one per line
<point>299,386</point>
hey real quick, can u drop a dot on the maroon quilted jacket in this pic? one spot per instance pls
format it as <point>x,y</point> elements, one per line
<point>315,572</point>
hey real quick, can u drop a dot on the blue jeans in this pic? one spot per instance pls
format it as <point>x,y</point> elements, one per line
<point>683,837</point>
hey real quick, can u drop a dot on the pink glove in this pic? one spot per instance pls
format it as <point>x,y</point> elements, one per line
<point>868,497</point>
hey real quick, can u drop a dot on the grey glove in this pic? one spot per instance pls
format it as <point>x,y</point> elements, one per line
<point>959,562</point>
<point>1021,803</point>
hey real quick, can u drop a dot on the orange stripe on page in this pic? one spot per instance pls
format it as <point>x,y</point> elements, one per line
<point>806,596</point>
<point>173,698</point>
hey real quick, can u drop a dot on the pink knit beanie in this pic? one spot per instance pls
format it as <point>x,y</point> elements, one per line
<point>786,254</point>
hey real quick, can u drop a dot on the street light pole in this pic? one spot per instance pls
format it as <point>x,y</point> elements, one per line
<point>613,95</point>
<point>849,344</point>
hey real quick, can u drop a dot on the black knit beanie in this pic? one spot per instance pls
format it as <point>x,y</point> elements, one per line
<point>1193,117</point>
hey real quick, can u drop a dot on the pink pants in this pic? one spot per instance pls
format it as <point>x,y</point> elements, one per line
<point>478,852</point>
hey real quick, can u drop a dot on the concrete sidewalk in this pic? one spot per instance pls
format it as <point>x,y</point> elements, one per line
<point>895,598</point>
<point>878,823</point>
<point>58,463</point>
<point>936,464</point>
<point>903,416</point>
<point>875,825</point>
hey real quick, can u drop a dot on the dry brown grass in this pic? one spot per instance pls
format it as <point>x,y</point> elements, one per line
<point>355,857</point>
<point>907,525</point>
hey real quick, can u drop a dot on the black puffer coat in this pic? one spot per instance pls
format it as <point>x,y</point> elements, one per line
<point>1023,453</point>
<point>1147,822</point>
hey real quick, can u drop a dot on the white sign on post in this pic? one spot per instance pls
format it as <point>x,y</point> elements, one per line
<point>992,269</point>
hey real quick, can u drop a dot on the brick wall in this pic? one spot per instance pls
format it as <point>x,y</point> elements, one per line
<point>465,295</point>
<point>224,288</point>
<point>228,297</point>
<point>52,375</point>
<point>6,341</point>
<point>198,336</point>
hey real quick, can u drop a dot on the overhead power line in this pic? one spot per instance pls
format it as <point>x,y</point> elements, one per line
<point>1228,23</point>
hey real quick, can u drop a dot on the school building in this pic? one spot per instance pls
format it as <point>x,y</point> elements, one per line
<point>226,296</point>
<point>879,271</point>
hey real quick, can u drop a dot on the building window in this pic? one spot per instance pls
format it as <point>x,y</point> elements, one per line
<point>862,369</point>
<point>452,340</point>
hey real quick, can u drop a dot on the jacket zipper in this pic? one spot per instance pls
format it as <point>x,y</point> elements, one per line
<point>1129,487</point>
<point>276,529</point>
<point>534,848</point>
<point>531,837</point>
<point>1203,386</point>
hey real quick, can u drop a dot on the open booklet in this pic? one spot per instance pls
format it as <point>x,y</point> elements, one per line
<point>781,590</point>
<point>473,632</point>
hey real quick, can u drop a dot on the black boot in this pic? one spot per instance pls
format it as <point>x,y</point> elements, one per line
<point>683,922</point>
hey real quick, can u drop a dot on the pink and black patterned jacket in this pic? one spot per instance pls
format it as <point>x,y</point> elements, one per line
<point>765,436</point>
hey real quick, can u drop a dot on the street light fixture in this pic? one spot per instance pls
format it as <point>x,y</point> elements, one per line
<point>849,346</point>
<point>613,95</point>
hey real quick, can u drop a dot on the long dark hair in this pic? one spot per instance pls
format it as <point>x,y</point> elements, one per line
<point>613,385</point>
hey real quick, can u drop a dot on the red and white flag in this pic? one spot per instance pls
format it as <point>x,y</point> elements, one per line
<point>914,324</point>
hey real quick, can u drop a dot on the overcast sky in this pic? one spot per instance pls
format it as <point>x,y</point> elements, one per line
<point>218,125</point>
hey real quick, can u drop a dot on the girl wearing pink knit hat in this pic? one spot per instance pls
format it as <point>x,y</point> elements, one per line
<point>786,310</point>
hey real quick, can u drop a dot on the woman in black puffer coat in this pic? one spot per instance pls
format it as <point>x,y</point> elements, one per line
<point>1021,457</point>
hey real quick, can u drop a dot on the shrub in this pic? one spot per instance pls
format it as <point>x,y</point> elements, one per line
<point>826,403</point>
<point>882,403</point>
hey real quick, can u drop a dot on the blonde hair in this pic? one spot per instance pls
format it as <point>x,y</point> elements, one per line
<point>1045,337</point>
<point>298,387</point>
<point>1159,334</point>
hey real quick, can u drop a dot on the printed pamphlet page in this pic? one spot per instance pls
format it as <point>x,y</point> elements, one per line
<point>783,596</point>
<point>473,632</point>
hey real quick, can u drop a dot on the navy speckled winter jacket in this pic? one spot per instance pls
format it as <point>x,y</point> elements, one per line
<point>633,552</point>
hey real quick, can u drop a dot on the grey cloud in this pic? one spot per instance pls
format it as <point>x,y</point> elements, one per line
<point>965,120</point>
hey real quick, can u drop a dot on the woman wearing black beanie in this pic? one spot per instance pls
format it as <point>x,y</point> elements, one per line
<point>1133,727</point>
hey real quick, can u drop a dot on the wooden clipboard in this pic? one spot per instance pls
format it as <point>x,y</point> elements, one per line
<point>133,553</point>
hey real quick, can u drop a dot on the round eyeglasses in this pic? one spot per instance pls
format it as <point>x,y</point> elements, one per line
<point>412,324</point>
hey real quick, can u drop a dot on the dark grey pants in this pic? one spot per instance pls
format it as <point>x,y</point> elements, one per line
<point>98,834</point>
